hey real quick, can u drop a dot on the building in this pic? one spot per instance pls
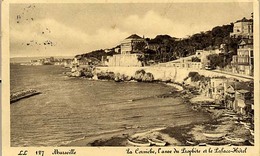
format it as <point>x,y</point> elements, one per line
<point>243,101</point>
<point>131,53</point>
<point>131,43</point>
<point>243,62</point>
<point>239,96</point>
<point>197,61</point>
<point>183,63</point>
<point>124,60</point>
<point>217,86</point>
<point>243,28</point>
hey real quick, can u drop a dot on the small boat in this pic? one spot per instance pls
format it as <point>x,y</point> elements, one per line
<point>252,132</point>
<point>217,144</point>
<point>248,124</point>
<point>243,123</point>
<point>237,140</point>
<point>214,138</point>
<point>202,144</point>
<point>191,143</point>
<point>235,117</point>
<point>230,113</point>
<point>213,134</point>
<point>247,127</point>
<point>251,142</point>
<point>156,142</point>
<point>138,143</point>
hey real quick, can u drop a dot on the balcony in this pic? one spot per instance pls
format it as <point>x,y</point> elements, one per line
<point>243,63</point>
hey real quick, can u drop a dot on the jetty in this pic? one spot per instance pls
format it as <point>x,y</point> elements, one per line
<point>14,97</point>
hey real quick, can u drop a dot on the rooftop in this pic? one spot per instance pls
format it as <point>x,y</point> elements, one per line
<point>134,36</point>
<point>244,20</point>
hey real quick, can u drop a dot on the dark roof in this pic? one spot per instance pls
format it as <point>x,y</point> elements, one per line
<point>134,36</point>
<point>244,20</point>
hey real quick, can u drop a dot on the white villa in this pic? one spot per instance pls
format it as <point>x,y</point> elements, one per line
<point>129,54</point>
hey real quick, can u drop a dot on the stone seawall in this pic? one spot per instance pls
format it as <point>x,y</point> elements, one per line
<point>165,73</point>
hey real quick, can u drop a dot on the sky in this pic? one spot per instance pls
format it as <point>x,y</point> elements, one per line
<point>58,29</point>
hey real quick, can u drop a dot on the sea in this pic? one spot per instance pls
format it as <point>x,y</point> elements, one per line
<point>73,108</point>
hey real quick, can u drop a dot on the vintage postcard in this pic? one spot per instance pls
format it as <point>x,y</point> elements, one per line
<point>130,77</point>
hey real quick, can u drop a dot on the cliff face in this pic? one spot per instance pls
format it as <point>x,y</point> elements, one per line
<point>159,73</point>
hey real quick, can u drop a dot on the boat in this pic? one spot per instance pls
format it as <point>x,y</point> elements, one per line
<point>243,123</point>
<point>235,117</point>
<point>191,143</point>
<point>202,144</point>
<point>23,94</point>
<point>252,132</point>
<point>217,144</point>
<point>213,134</point>
<point>251,142</point>
<point>138,143</point>
<point>237,140</point>
<point>156,142</point>
<point>230,113</point>
<point>213,106</point>
<point>247,127</point>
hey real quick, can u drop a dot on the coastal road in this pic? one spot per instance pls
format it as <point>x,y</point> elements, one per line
<point>234,75</point>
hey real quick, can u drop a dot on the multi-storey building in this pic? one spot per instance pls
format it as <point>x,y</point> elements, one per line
<point>243,62</point>
<point>129,45</point>
<point>243,28</point>
<point>130,52</point>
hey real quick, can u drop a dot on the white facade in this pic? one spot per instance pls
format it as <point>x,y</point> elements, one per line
<point>243,28</point>
<point>124,60</point>
<point>128,44</point>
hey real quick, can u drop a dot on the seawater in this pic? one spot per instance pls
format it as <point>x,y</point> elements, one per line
<point>71,108</point>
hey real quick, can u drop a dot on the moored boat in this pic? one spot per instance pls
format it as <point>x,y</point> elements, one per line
<point>236,140</point>
<point>213,134</point>
<point>252,132</point>
<point>138,143</point>
<point>191,143</point>
<point>156,142</point>
<point>218,144</point>
<point>202,144</point>
<point>251,142</point>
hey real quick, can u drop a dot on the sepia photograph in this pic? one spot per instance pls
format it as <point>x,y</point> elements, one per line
<point>132,74</point>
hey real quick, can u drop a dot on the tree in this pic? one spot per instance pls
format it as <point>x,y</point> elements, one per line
<point>139,47</point>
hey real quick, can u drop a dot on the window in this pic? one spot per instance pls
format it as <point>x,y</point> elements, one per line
<point>251,53</point>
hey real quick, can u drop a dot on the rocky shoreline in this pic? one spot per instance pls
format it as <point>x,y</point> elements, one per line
<point>224,127</point>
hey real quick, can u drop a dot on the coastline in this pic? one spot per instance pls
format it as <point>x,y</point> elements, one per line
<point>119,138</point>
<point>185,134</point>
